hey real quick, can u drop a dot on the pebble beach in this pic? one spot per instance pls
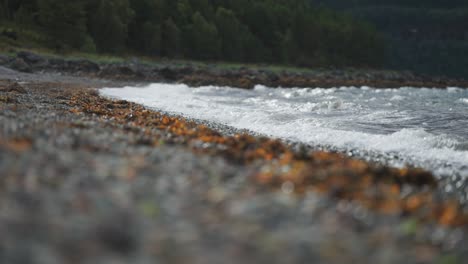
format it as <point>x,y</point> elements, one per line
<point>85,179</point>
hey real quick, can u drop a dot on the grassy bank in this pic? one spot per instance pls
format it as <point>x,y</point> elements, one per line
<point>32,39</point>
<point>154,61</point>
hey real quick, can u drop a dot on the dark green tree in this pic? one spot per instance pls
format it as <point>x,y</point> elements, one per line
<point>63,22</point>
<point>145,29</point>
<point>9,8</point>
<point>171,39</point>
<point>231,34</point>
<point>5,10</point>
<point>272,31</point>
<point>108,24</point>
<point>203,38</point>
<point>151,43</point>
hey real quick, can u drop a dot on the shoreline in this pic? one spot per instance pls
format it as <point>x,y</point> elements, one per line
<point>195,74</point>
<point>114,145</point>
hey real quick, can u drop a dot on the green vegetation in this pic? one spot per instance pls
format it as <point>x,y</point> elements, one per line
<point>429,36</point>
<point>292,32</point>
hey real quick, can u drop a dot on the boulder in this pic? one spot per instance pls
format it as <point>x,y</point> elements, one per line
<point>119,71</point>
<point>20,65</point>
<point>125,70</point>
<point>168,74</point>
<point>270,76</point>
<point>30,57</point>
<point>86,66</point>
<point>186,70</point>
<point>57,63</point>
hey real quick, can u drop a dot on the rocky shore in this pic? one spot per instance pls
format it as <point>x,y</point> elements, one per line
<point>206,74</point>
<point>88,180</point>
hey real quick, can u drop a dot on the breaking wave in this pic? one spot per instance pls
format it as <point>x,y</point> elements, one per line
<point>417,126</point>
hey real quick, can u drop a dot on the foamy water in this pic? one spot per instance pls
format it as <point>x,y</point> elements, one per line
<point>421,127</point>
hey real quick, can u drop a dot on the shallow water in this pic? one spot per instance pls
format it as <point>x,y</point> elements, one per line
<point>408,126</point>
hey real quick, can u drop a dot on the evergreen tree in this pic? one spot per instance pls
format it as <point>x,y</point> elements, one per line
<point>231,33</point>
<point>63,22</point>
<point>171,39</point>
<point>151,43</point>
<point>108,24</point>
<point>271,31</point>
<point>145,29</point>
<point>203,38</point>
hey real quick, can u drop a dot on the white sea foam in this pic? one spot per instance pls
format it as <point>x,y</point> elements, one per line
<point>418,126</point>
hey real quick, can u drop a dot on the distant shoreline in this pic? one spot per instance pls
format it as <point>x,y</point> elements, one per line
<point>240,76</point>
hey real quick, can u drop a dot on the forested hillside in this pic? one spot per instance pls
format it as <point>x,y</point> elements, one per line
<point>426,36</point>
<point>271,31</point>
<point>429,36</point>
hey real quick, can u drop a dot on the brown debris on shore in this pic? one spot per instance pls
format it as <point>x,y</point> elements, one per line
<point>376,187</point>
<point>85,179</point>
